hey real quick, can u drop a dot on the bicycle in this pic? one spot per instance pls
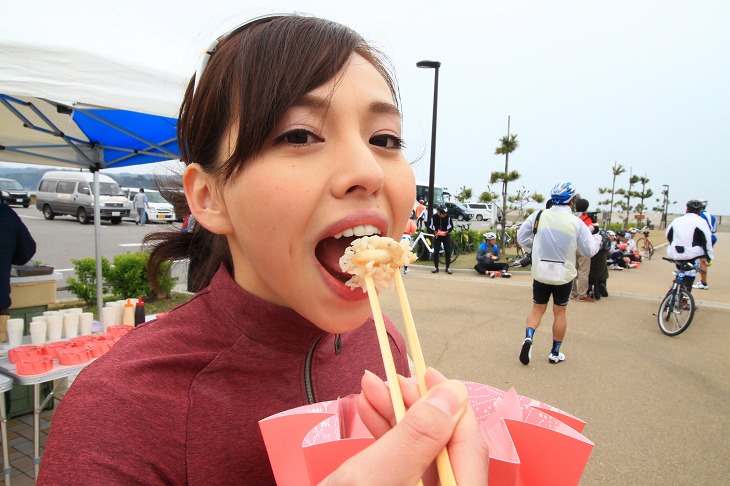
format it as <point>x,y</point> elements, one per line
<point>463,238</point>
<point>422,247</point>
<point>678,306</point>
<point>646,249</point>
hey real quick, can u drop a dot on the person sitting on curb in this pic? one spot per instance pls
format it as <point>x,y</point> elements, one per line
<point>487,257</point>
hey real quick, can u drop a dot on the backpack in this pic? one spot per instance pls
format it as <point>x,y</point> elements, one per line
<point>605,241</point>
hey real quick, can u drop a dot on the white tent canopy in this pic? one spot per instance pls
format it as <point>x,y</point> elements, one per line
<point>91,84</point>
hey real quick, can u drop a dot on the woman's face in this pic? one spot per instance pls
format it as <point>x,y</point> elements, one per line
<point>332,170</point>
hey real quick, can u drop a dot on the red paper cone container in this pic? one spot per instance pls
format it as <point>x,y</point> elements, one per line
<point>81,341</point>
<point>51,349</point>
<point>21,352</point>
<point>99,347</point>
<point>74,356</point>
<point>35,365</point>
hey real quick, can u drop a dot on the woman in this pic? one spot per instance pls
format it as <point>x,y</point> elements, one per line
<point>292,131</point>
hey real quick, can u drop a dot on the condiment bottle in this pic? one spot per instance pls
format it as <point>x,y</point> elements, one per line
<point>128,315</point>
<point>139,316</point>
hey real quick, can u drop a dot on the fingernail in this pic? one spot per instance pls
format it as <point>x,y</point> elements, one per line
<point>445,400</point>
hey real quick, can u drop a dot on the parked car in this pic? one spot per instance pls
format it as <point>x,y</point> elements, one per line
<point>12,193</point>
<point>457,211</point>
<point>483,211</point>
<point>71,193</point>
<point>158,209</point>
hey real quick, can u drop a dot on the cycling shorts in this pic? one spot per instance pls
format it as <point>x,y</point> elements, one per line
<point>541,293</point>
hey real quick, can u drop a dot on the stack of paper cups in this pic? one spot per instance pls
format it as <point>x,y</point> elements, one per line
<point>86,320</point>
<point>38,332</point>
<point>15,332</point>
<point>55,327</point>
<point>71,325</point>
<point>108,316</point>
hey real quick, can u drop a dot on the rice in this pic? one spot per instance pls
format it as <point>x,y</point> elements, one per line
<point>376,256</point>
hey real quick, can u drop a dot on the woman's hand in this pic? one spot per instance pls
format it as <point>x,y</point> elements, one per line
<point>405,453</point>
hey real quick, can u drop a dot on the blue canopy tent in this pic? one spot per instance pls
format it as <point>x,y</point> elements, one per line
<point>68,103</point>
<point>34,130</point>
<point>96,87</point>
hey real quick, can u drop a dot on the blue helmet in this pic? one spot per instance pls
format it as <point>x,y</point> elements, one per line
<point>563,192</point>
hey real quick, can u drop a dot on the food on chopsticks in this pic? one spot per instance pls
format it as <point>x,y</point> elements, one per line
<point>378,257</point>
<point>374,262</point>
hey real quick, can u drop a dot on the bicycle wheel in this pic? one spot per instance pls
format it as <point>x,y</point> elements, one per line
<point>454,252</point>
<point>676,312</point>
<point>422,251</point>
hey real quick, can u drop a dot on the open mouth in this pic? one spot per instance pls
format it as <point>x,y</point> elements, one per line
<point>329,251</point>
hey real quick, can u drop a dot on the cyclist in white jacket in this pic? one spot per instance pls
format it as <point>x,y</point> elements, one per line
<point>690,238</point>
<point>554,238</point>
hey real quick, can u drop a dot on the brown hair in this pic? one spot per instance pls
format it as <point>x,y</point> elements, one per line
<point>251,80</point>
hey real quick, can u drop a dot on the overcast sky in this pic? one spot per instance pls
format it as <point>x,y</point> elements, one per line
<point>586,83</point>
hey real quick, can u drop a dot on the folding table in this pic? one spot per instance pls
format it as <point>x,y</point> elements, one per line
<point>6,383</point>
<point>57,372</point>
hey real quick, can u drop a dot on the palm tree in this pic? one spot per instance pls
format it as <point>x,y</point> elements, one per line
<point>507,145</point>
<point>617,171</point>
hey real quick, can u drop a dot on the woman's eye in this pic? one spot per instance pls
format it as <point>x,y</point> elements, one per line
<point>298,137</point>
<point>388,141</point>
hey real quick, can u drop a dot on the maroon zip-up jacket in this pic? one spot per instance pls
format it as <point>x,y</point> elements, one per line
<point>178,400</point>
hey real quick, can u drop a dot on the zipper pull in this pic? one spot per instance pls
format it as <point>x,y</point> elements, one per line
<point>338,344</point>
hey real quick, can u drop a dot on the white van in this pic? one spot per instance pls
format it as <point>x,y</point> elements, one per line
<point>71,193</point>
<point>483,211</point>
<point>158,209</point>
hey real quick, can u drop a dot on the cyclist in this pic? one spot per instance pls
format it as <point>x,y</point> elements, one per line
<point>555,238</point>
<point>690,238</point>
<point>702,284</point>
<point>441,226</point>
<point>487,257</point>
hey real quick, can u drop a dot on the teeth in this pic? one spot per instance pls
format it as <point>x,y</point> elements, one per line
<point>364,230</point>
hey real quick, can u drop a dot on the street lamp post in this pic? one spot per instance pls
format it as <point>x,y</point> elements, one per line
<point>663,224</point>
<point>435,65</point>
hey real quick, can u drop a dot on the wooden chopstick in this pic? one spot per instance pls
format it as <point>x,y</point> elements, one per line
<point>443,462</point>
<point>396,396</point>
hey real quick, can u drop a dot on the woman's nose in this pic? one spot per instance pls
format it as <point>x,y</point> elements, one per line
<point>359,170</point>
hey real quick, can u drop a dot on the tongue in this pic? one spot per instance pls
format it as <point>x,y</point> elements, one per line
<point>329,252</point>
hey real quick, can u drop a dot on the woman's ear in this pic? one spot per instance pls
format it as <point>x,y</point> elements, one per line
<point>204,201</point>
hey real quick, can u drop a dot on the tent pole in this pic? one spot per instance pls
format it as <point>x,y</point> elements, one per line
<point>97,238</point>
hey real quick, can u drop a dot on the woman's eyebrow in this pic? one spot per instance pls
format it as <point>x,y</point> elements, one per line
<point>384,108</point>
<point>316,103</point>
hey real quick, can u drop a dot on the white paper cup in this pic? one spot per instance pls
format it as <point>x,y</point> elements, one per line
<point>15,332</point>
<point>55,327</point>
<point>86,320</point>
<point>71,325</point>
<point>50,313</point>
<point>108,317</point>
<point>38,318</point>
<point>75,310</point>
<point>38,332</point>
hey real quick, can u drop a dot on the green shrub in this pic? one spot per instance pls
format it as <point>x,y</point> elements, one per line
<point>84,285</point>
<point>128,276</point>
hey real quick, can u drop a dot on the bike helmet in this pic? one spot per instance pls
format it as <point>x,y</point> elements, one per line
<point>633,231</point>
<point>695,205</point>
<point>490,236</point>
<point>563,192</point>
<point>611,233</point>
<point>440,208</point>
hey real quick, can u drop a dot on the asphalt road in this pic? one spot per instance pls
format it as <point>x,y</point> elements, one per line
<point>64,239</point>
<point>656,407</point>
